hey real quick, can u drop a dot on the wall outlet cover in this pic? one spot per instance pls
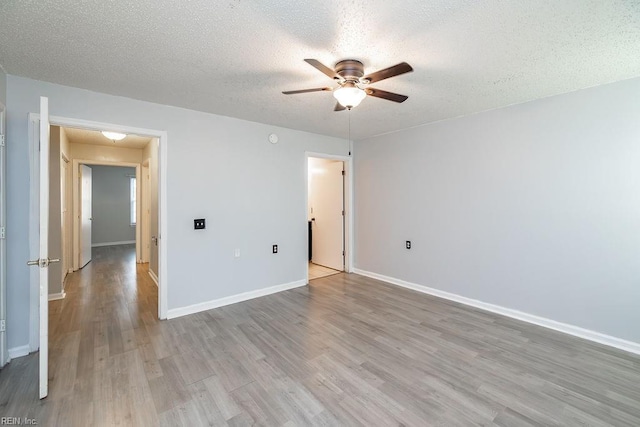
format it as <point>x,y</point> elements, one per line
<point>408,244</point>
<point>198,224</point>
<point>275,249</point>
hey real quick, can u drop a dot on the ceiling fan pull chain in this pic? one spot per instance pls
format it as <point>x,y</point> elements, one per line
<point>349,137</point>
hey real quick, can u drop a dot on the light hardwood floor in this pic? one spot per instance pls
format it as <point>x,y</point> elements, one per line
<point>316,271</point>
<point>346,350</point>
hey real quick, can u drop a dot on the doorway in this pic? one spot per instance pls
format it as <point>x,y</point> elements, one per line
<point>328,215</point>
<point>71,163</point>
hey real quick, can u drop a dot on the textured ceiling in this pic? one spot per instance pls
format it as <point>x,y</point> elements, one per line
<point>234,57</point>
<point>93,137</point>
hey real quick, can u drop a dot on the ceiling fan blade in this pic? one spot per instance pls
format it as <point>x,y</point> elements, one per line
<point>390,96</point>
<point>396,70</point>
<point>318,89</point>
<point>339,107</point>
<point>323,68</point>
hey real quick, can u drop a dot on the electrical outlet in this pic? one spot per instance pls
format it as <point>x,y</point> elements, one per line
<point>408,244</point>
<point>3,325</point>
<point>198,224</point>
<point>236,253</point>
<point>275,249</point>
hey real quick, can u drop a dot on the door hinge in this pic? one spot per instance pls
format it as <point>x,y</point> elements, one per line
<point>342,173</point>
<point>3,325</point>
<point>342,213</point>
<point>2,232</point>
<point>342,253</point>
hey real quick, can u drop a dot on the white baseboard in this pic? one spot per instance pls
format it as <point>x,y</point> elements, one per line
<point>208,305</point>
<point>154,277</point>
<point>124,242</point>
<point>630,346</point>
<point>16,352</point>
<point>55,297</point>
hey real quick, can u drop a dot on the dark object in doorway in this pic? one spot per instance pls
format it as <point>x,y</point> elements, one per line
<point>310,238</point>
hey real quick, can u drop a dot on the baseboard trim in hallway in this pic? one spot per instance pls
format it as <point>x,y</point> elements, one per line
<point>153,277</point>
<point>233,299</point>
<point>56,297</point>
<point>19,351</point>
<point>608,340</point>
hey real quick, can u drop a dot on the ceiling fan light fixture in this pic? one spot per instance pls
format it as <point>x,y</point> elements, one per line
<point>349,95</point>
<point>114,136</point>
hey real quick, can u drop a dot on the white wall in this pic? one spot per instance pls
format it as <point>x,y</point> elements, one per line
<point>533,207</point>
<point>111,205</point>
<point>104,153</point>
<point>55,212</point>
<point>251,193</point>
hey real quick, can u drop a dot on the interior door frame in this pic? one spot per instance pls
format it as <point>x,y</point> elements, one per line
<point>4,351</point>
<point>34,175</point>
<point>77,234</point>
<point>348,207</point>
<point>145,227</point>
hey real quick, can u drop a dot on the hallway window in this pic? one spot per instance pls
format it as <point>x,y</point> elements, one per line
<point>132,199</point>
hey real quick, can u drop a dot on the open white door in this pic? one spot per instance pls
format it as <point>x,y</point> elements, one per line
<point>85,215</point>
<point>4,352</point>
<point>327,202</point>
<point>43,261</point>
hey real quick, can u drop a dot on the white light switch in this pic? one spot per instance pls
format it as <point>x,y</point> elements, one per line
<point>236,253</point>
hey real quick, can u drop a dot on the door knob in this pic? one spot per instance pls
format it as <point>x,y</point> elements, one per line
<point>43,262</point>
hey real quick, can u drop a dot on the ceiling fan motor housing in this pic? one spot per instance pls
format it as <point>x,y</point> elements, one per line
<point>350,69</point>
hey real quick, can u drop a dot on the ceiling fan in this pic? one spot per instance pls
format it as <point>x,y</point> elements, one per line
<point>353,84</point>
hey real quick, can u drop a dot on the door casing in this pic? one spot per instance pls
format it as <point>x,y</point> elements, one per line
<point>34,175</point>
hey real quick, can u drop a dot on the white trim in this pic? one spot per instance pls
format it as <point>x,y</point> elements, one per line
<point>124,242</point>
<point>566,328</point>
<point>4,351</point>
<point>221,302</point>
<point>58,296</point>
<point>16,352</point>
<point>153,277</point>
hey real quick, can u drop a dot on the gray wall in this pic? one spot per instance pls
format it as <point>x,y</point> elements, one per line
<point>110,205</point>
<point>251,192</point>
<point>534,207</point>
